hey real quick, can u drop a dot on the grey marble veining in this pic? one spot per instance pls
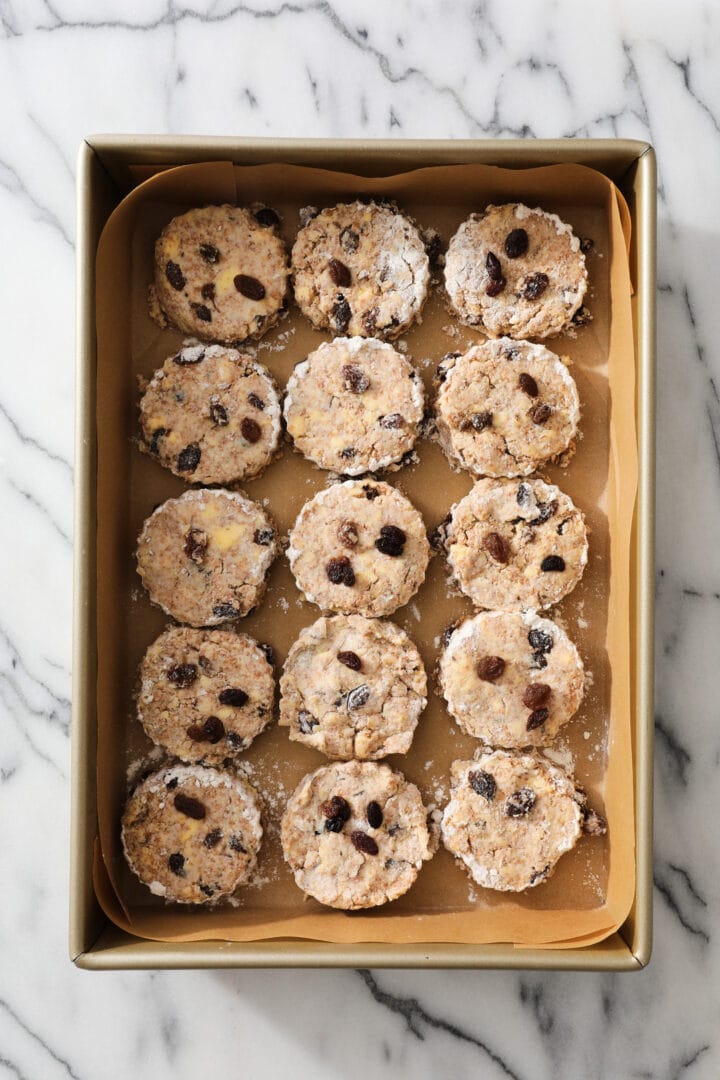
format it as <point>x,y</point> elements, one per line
<point>411,68</point>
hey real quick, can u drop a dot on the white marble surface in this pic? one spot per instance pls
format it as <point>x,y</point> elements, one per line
<point>407,68</point>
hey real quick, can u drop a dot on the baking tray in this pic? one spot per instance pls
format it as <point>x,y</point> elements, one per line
<point>104,178</point>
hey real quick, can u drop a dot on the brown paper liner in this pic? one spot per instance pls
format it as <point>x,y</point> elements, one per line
<point>591,892</point>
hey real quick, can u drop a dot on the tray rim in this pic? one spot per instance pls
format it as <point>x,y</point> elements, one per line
<point>102,169</point>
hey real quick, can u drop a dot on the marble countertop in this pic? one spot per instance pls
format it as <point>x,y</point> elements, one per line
<point>412,68</point>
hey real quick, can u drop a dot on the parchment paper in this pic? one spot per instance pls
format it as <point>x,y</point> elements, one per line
<point>591,892</point>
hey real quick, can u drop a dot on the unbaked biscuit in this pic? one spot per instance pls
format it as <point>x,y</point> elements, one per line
<point>204,557</point>
<point>192,834</point>
<point>511,678</point>
<point>515,270</point>
<point>359,548</point>
<point>360,268</point>
<point>355,834</point>
<point>353,688</point>
<point>505,408</point>
<point>205,694</point>
<point>354,406</point>
<point>221,273</point>
<point>211,415</point>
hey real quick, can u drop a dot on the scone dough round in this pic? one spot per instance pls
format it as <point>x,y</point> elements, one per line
<point>515,545</point>
<point>354,406</point>
<point>360,268</point>
<point>511,678</point>
<point>220,274</point>
<point>533,292</point>
<point>359,548</point>
<point>203,558</point>
<point>343,860</point>
<point>353,688</point>
<point>211,415</point>
<point>510,818</point>
<point>192,834</point>
<point>505,408</point>
<point>205,694</point>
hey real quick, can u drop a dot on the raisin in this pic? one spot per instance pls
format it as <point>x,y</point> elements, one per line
<point>536,694</point>
<point>540,640</point>
<point>536,719</point>
<point>354,380</point>
<point>586,244</point>
<point>341,314</point>
<point>250,430</point>
<point>233,696</point>
<point>209,253</point>
<point>537,874</point>
<point>520,802</point>
<point>202,312</point>
<point>483,784</point>
<point>189,458</point>
<point>172,784</point>
<point>211,731</point>
<point>340,571</point>
<point>212,838</point>
<point>516,243</point>
<point>263,537</point>
<point>582,317</point>
<point>249,287</point>
<point>545,511</point>
<point>524,495</point>
<point>392,421</point>
<point>235,842</point>
<point>358,697</point>
<point>496,547</point>
<point>391,541</point>
<point>541,414</point>
<point>208,292</point>
<point>370,492</point>
<point>334,824</point>
<point>267,651</point>
<point>339,273</point>
<point>155,439</point>
<point>350,660</point>
<point>363,842</point>
<point>349,240</point>
<point>495,287</point>
<point>348,452</point>
<point>175,276</point>
<point>182,675</point>
<point>207,889</point>
<point>196,545</point>
<point>235,741</point>
<point>492,265</point>
<point>218,414</point>
<point>226,611</point>
<point>528,384</point>
<point>266,217</point>
<point>176,862</point>
<point>374,815</point>
<point>255,401</point>
<point>306,722</point>
<point>190,807</point>
<point>539,661</point>
<point>336,807</point>
<point>535,286</point>
<point>554,563</point>
<point>479,421</point>
<point>348,534</point>
<point>490,668</point>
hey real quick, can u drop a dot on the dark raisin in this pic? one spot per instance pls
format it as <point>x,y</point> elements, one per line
<point>208,292</point>
<point>255,401</point>
<point>536,719</point>
<point>540,640</point>
<point>391,541</point>
<point>545,511</point>
<point>176,862</point>
<point>189,458</point>
<point>207,889</point>
<point>213,838</point>
<point>348,534</point>
<point>582,317</point>
<point>306,722</point>
<point>336,807</point>
<point>155,439</point>
<point>339,274</point>
<point>536,694</point>
<point>351,660</point>
<point>250,430</point>
<point>235,741</point>
<point>202,312</point>
<point>524,495</point>
<point>490,668</point>
<point>334,824</point>
<point>392,421</point>
<point>211,731</point>
<point>586,244</point>
<point>496,547</point>
<point>267,651</point>
<point>535,286</point>
<point>538,874</point>
<point>374,815</point>
<point>348,452</point>
<point>363,842</point>
<point>483,784</point>
<point>369,321</point>
<point>528,384</point>
<point>354,380</point>
<point>520,802</point>
<point>492,265</point>
<point>341,314</point>
<point>479,421</point>
<point>340,571</point>
<point>495,287</point>
<point>226,611</point>
<point>182,675</point>
<point>358,697</point>
<point>189,807</point>
<point>541,414</point>
<point>539,661</point>
<point>196,545</point>
<point>233,696</point>
<point>218,414</point>
<point>554,563</point>
<point>209,253</point>
<point>266,217</point>
<point>172,784</point>
<point>175,276</point>
<point>516,243</point>
<point>349,240</point>
<point>264,537</point>
<point>249,287</point>
<point>370,492</point>
<point>236,844</point>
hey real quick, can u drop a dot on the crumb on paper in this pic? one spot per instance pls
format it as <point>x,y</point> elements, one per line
<point>451,331</point>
